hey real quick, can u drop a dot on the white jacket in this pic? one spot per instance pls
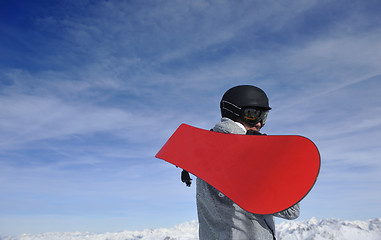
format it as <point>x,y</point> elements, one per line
<point>221,219</point>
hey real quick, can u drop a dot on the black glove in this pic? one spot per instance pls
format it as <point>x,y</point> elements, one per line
<point>185,178</point>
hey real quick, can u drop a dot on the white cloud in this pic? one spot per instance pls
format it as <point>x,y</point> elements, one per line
<point>28,118</point>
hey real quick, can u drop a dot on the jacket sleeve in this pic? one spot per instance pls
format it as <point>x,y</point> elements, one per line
<point>290,213</point>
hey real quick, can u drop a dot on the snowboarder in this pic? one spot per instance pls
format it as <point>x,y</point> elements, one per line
<point>244,110</point>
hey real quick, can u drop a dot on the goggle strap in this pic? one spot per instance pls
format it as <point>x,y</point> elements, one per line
<point>229,110</point>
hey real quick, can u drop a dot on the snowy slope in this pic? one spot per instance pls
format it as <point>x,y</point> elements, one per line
<point>330,229</point>
<point>185,231</point>
<point>312,229</point>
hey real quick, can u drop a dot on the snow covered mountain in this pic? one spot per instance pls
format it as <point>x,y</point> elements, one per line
<point>334,229</point>
<point>312,229</point>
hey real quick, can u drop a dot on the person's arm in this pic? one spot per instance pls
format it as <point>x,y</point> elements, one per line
<point>290,213</point>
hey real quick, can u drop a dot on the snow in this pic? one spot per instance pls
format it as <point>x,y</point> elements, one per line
<point>330,229</point>
<point>312,229</point>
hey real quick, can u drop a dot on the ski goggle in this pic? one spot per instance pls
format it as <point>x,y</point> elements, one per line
<point>254,115</point>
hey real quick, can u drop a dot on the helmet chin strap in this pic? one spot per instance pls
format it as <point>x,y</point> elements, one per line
<point>252,132</point>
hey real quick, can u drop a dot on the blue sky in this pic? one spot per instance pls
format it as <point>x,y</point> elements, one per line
<point>90,91</point>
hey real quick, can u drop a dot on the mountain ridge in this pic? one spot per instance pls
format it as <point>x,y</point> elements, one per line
<point>325,229</point>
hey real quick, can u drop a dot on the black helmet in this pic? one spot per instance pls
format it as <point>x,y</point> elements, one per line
<point>249,103</point>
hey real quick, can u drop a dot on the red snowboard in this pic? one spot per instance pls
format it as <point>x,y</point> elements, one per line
<point>262,174</point>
